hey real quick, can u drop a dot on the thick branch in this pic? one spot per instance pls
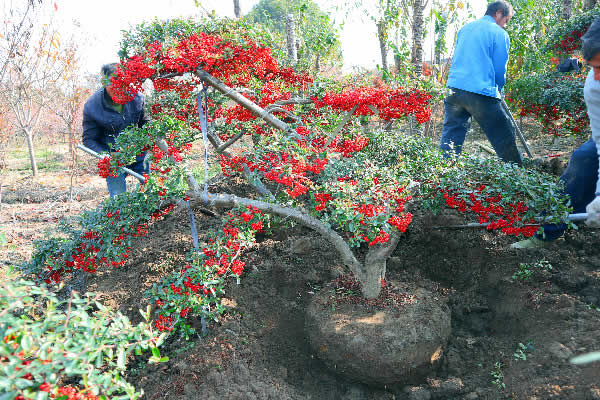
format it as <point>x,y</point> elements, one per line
<point>229,200</point>
<point>293,101</point>
<point>229,143</point>
<point>274,109</point>
<point>242,101</point>
<point>383,251</point>
<point>341,125</point>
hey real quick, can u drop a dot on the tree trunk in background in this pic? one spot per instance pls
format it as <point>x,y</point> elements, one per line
<point>440,35</point>
<point>567,9</point>
<point>290,30</point>
<point>382,36</point>
<point>236,9</point>
<point>397,62</point>
<point>29,137</point>
<point>417,31</point>
<point>589,4</point>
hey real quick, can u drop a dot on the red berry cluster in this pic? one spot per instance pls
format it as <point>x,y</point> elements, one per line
<point>490,207</point>
<point>389,103</point>
<point>556,120</point>
<point>219,258</point>
<point>105,169</point>
<point>569,43</point>
<point>234,63</point>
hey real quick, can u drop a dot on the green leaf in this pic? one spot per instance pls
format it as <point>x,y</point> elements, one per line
<point>121,359</point>
<point>8,396</point>
<point>156,352</point>
<point>26,342</point>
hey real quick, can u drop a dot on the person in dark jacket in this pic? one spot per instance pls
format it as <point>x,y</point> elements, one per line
<point>104,120</point>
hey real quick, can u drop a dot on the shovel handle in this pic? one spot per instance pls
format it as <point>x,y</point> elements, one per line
<point>125,169</point>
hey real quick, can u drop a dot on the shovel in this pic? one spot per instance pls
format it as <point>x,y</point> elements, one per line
<point>519,134</point>
<point>572,217</point>
<point>98,156</point>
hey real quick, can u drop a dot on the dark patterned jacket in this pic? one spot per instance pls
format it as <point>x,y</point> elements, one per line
<point>102,124</point>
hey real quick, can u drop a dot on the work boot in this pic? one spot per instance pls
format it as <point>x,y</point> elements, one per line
<point>531,243</point>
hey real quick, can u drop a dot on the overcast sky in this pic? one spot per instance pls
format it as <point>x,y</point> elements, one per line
<point>99,23</point>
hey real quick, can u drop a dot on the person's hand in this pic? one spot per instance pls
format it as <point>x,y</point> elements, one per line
<point>593,211</point>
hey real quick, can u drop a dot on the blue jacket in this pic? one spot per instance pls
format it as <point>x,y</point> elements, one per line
<point>480,58</point>
<point>102,124</point>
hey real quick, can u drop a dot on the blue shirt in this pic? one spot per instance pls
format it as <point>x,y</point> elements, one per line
<point>480,58</point>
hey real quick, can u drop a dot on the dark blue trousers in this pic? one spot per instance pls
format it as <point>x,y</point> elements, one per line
<point>460,106</point>
<point>580,180</point>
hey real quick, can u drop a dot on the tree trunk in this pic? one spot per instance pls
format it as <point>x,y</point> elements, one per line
<point>318,64</point>
<point>567,9</point>
<point>29,137</point>
<point>236,9</point>
<point>417,31</point>
<point>398,62</point>
<point>440,41</point>
<point>589,4</point>
<point>372,275</point>
<point>382,36</point>
<point>372,278</point>
<point>290,30</point>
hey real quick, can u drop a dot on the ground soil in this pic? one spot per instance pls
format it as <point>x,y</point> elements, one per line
<point>258,349</point>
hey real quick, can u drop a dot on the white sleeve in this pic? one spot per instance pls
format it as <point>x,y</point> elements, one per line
<point>591,92</point>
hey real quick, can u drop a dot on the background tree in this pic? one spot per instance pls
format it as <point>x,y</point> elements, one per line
<point>39,62</point>
<point>16,32</point>
<point>567,9</point>
<point>418,30</point>
<point>318,41</point>
<point>528,31</point>
<point>70,93</point>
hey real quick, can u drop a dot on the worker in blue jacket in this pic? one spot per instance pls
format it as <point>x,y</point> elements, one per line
<point>475,83</point>
<point>104,120</point>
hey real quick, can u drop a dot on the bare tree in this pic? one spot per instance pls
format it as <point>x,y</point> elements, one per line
<point>17,28</point>
<point>28,75</point>
<point>69,96</point>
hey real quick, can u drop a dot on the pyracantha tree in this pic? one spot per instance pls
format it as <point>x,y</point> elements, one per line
<point>300,146</point>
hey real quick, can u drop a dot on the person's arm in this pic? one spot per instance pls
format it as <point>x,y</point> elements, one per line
<point>592,102</point>
<point>92,133</point>
<point>593,209</point>
<point>500,58</point>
